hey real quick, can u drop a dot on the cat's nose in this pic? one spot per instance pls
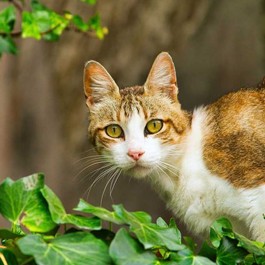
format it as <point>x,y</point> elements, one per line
<point>135,155</point>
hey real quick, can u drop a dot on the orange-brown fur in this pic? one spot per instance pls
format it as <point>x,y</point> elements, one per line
<point>234,144</point>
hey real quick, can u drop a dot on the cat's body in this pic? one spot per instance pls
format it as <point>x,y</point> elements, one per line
<point>207,164</point>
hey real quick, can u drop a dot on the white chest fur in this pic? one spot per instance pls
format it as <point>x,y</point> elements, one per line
<point>199,197</point>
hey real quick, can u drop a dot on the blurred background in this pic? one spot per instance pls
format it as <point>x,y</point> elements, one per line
<point>217,47</point>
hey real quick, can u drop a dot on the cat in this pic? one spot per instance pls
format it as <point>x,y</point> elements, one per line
<point>205,164</point>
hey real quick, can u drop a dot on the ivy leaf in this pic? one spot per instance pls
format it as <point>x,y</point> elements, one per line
<point>100,212</point>
<point>253,247</point>
<point>149,234</point>
<point>59,215</point>
<point>125,250</point>
<point>207,251</point>
<point>8,234</point>
<point>78,248</point>
<point>229,253</point>
<point>7,45</point>
<point>220,228</point>
<point>7,19</point>
<point>8,256</point>
<point>223,228</point>
<point>22,202</point>
<point>186,257</point>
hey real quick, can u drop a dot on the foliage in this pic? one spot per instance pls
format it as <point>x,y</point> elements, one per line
<point>43,233</point>
<point>40,22</point>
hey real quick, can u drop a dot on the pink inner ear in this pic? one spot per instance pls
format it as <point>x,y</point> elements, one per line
<point>162,73</point>
<point>98,83</point>
<point>89,100</point>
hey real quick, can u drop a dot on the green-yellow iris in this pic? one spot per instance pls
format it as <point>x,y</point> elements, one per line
<point>154,126</point>
<point>114,131</point>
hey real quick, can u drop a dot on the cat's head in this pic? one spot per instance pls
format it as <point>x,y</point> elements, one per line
<point>138,129</point>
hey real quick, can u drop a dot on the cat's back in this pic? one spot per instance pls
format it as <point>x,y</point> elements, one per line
<point>234,139</point>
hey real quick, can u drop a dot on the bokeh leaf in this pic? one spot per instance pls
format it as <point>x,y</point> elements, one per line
<point>90,2</point>
<point>95,24</point>
<point>7,19</point>
<point>42,22</point>
<point>78,248</point>
<point>7,45</point>
<point>7,256</point>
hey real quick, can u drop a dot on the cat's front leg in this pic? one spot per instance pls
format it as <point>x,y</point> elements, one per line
<point>198,219</point>
<point>257,228</point>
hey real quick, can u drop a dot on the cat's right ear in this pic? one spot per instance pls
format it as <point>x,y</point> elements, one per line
<point>98,84</point>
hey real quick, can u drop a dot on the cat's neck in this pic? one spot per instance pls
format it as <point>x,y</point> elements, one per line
<point>180,175</point>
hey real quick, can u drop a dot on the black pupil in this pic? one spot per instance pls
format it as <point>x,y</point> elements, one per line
<point>114,130</point>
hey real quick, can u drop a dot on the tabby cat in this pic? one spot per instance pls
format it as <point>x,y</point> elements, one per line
<point>205,164</point>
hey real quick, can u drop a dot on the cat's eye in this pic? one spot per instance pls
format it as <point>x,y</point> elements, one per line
<point>114,131</point>
<point>153,126</point>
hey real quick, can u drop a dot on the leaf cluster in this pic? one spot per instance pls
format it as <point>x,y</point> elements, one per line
<point>40,22</point>
<point>43,233</point>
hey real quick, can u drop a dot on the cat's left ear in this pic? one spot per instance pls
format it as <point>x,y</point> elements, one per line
<point>162,77</point>
<point>98,84</point>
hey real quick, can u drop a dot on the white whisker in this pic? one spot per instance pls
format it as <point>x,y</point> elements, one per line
<point>165,173</point>
<point>100,176</point>
<point>111,177</point>
<point>113,183</point>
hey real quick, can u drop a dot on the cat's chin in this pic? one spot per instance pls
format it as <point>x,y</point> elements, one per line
<point>139,171</point>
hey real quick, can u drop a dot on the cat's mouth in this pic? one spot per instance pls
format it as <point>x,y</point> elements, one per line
<point>139,170</point>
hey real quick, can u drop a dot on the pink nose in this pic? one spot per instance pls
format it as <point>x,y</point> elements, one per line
<point>135,155</point>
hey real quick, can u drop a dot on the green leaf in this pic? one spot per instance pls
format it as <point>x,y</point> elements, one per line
<point>229,253</point>
<point>161,222</point>
<point>95,24</point>
<point>30,28</point>
<point>22,202</point>
<point>124,250</point>
<point>7,19</point>
<point>8,234</point>
<point>207,251</point>
<point>79,23</point>
<point>186,257</point>
<point>7,45</point>
<point>90,2</point>
<point>100,212</point>
<point>59,215</point>
<point>220,228</point>
<point>189,242</point>
<point>70,249</point>
<point>253,247</point>
<point>8,256</point>
<point>104,234</point>
<point>43,23</point>
<point>149,234</point>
